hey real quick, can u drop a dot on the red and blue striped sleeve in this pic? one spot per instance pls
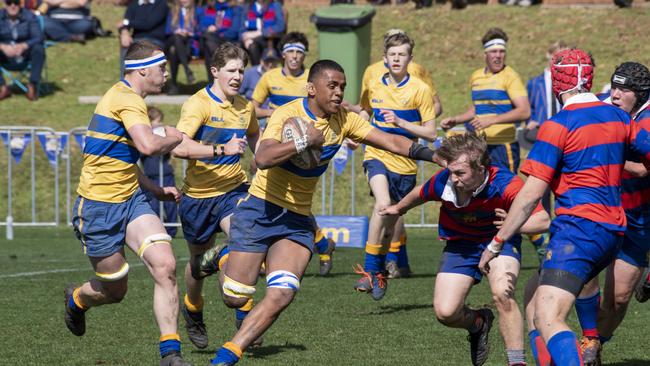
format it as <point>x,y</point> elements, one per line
<point>432,189</point>
<point>641,136</point>
<point>511,191</point>
<point>546,155</point>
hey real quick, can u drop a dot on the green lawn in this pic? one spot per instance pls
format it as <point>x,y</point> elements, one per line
<point>328,324</point>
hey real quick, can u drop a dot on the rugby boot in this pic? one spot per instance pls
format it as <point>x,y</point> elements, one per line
<point>206,264</point>
<point>479,342</point>
<point>590,348</point>
<point>256,343</point>
<point>74,320</point>
<point>325,262</point>
<point>392,270</point>
<point>173,359</point>
<point>642,291</point>
<point>372,282</point>
<point>195,328</point>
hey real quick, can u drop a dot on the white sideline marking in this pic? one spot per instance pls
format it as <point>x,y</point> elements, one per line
<point>63,270</point>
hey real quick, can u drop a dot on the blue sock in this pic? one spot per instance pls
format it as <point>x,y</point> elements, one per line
<point>391,256</point>
<point>169,346</point>
<point>73,306</point>
<point>321,245</point>
<point>563,347</point>
<point>374,262</point>
<point>226,355</point>
<point>587,310</point>
<point>402,257</point>
<point>241,314</point>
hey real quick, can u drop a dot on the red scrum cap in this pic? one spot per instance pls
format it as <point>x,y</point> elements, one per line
<point>571,69</point>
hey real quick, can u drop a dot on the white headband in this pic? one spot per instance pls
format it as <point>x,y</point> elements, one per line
<point>154,60</point>
<point>293,46</point>
<point>494,44</point>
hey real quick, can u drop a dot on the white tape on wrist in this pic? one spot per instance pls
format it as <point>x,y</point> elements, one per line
<point>301,144</point>
<point>493,250</point>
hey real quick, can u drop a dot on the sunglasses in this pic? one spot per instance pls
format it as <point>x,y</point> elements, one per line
<point>12,2</point>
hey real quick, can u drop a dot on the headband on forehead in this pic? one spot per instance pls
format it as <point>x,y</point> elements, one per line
<point>494,44</point>
<point>154,60</point>
<point>294,46</point>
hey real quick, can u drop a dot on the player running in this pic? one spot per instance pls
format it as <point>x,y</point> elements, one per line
<point>475,196</point>
<point>274,224</point>
<point>111,211</point>
<point>579,153</point>
<point>217,124</point>
<point>399,105</point>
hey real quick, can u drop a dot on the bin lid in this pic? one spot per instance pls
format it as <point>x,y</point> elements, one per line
<point>343,15</point>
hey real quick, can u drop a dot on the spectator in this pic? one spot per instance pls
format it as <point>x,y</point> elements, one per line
<point>151,168</point>
<point>21,43</point>
<point>263,24</point>
<point>143,20</point>
<point>67,20</point>
<point>218,21</point>
<point>180,29</point>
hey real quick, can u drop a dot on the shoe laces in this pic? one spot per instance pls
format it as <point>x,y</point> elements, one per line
<point>359,270</point>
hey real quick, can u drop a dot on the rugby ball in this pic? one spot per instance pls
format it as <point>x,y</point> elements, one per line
<point>295,127</point>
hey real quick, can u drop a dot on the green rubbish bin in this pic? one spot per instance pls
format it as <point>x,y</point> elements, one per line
<point>344,36</point>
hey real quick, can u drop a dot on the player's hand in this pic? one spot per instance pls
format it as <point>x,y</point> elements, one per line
<point>389,211</point>
<point>448,123</point>
<point>501,217</point>
<point>391,117</point>
<point>351,144</point>
<point>314,136</point>
<point>484,263</point>
<point>169,194</point>
<point>438,160</point>
<point>480,123</point>
<point>532,125</point>
<point>236,146</point>
<point>125,39</point>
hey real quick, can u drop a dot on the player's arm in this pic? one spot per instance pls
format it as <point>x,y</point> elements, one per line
<point>161,193</point>
<point>260,94</point>
<point>253,133</point>
<point>260,111</point>
<point>411,200</point>
<point>538,222</point>
<point>437,105</point>
<point>151,144</point>
<point>272,152</point>
<point>520,211</point>
<point>452,121</point>
<point>520,112</point>
<point>400,145</point>
<point>636,169</point>
<point>425,131</point>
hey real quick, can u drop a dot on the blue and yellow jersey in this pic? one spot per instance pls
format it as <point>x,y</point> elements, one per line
<point>412,101</point>
<point>209,120</point>
<point>109,172</point>
<point>289,186</point>
<point>378,69</point>
<point>492,94</point>
<point>280,88</point>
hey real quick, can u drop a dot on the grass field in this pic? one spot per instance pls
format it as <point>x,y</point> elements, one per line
<point>328,324</point>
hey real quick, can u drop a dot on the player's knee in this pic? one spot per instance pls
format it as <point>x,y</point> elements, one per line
<point>113,291</point>
<point>236,294</point>
<point>504,299</point>
<point>116,294</point>
<point>284,285</point>
<point>164,269</point>
<point>445,314</point>
<point>622,298</point>
<point>379,204</point>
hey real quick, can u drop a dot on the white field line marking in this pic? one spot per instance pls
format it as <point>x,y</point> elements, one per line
<point>63,270</point>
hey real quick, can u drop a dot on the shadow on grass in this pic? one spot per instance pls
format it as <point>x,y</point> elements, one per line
<point>264,351</point>
<point>348,274</point>
<point>633,362</point>
<point>397,308</point>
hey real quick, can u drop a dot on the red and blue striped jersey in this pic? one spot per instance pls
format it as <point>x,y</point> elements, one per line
<point>636,191</point>
<point>580,152</point>
<point>474,222</point>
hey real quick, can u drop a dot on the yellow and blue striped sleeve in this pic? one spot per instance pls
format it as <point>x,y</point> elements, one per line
<point>261,91</point>
<point>134,113</point>
<point>515,87</point>
<point>193,116</point>
<point>423,74</point>
<point>253,124</point>
<point>426,105</point>
<point>356,128</point>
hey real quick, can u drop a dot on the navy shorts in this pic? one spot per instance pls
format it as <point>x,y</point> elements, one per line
<point>201,216</point>
<point>257,224</point>
<point>505,156</point>
<point>399,185</point>
<point>578,250</point>
<point>636,246</point>
<point>101,226</point>
<point>463,257</point>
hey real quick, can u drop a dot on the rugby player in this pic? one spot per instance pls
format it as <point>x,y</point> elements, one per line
<point>274,223</point>
<point>400,105</point>
<point>474,197</point>
<point>580,154</point>
<point>111,211</point>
